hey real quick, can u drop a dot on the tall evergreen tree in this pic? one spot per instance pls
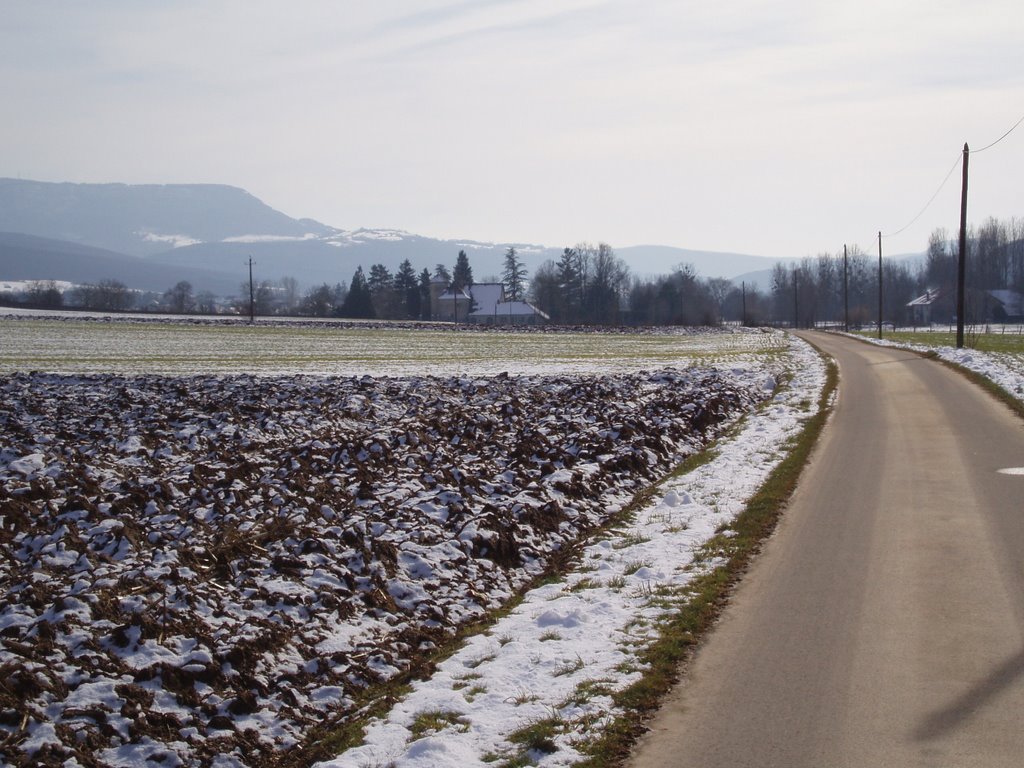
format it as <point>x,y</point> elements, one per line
<point>380,279</point>
<point>359,302</point>
<point>382,289</point>
<point>571,283</point>
<point>425,308</point>
<point>462,275</point>
<point>407,291</point>
<point>462,278</point>
<point>514,275</point>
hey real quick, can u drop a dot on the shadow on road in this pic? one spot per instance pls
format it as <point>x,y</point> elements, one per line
<point>910,358</point>
<point>966,706</point>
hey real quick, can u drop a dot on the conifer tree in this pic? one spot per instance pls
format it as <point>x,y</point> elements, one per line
<point>514,275</point>
<point>359,302</point>
<point>462,275</point>
<point>407,292</point>
<point>425,295</point>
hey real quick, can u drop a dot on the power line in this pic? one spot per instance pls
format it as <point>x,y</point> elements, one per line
<point>931,200</point>
<point>959,159</point>
<point>989,146</point>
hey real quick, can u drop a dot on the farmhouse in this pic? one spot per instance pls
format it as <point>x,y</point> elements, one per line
<point>483,303</point>
<point>938,305</point>
<point>934,305</point>
<point>1006,306</point>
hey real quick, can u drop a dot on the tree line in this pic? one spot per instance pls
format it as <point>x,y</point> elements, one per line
<point>590,285</point>
<point>819,289</point>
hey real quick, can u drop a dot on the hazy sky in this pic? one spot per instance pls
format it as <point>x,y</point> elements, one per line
<point>776,128</point>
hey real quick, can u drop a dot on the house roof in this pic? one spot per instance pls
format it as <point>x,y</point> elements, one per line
<point>516,309</point>
<point>927,298</point>
<point>489,300</point>
<point>486,296</point>
<point>1012,301</point>
<point>449,295</point>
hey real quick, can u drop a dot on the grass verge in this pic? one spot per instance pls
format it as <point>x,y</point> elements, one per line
<point>1015,404</point>
<point>976,338</point>
<point>705,597</point>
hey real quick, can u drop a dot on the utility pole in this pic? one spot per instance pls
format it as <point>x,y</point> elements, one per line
<point>846,294</point>
<point>879,285</point>
<point>961,268</point>
<point>252,297</point>
<point>743,293</point>
<point>796,299</point>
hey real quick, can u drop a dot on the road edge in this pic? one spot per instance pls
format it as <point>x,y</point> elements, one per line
<point>729,554</point>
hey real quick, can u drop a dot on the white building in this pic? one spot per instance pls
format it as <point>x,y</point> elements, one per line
<point>484,303</point>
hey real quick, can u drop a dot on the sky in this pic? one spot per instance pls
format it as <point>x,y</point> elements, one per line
<point>783,128</point>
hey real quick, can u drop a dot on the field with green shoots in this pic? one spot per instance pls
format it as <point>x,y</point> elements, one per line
<point>178,348</point>
<point>1007,343</point>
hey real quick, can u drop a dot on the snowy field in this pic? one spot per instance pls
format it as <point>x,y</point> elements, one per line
<point>200,569</point>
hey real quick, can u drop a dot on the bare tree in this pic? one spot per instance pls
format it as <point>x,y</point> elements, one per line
<point>45,293</point>
<point>289,294</point>
<point>206,303</point>
<point>319,301</point>
<point>719,289</point>
<point>179,298</point>
<point>105,296</point>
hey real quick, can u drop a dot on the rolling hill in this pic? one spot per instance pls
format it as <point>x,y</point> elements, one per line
<point>150,236</point>
<point>27,257</point>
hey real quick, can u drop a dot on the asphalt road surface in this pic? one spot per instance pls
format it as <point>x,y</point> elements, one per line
<point>883,625</point>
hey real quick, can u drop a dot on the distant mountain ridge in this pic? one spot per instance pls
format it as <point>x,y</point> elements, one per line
<point>201,229</point>
<point>140,219</point>
<point>27,257</point>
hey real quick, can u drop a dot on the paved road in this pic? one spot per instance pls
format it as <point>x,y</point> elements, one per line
<point>883,625</point>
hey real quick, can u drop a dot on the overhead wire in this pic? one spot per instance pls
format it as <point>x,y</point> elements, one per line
<point>959,159</point>
<point>989,146</point>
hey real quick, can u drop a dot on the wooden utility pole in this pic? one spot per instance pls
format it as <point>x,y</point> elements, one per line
<point>796,299</point>
<point>743,293</point>
<point>879,285</point>
<point>961,264</point>
<point>846,294</point>
<point>252,297</point>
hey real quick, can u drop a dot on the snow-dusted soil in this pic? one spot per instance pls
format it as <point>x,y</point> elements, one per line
<point>198,569</point>
<point>554,662</point>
